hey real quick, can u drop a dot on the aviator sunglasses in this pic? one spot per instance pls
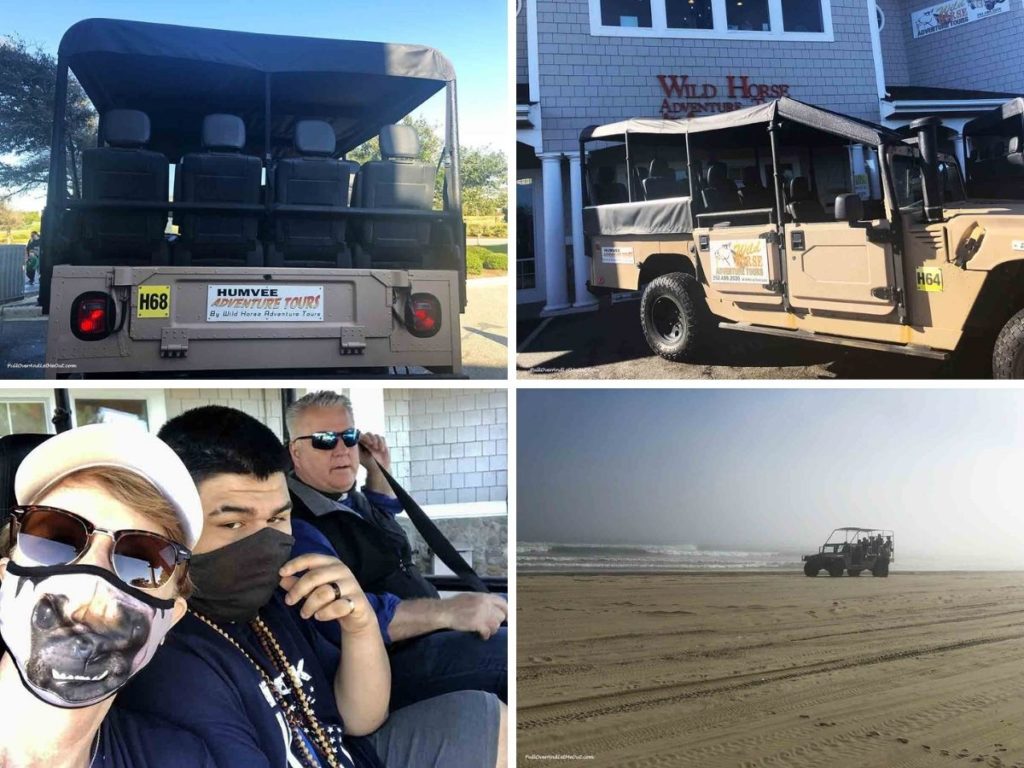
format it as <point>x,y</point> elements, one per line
<point>52,536</point>
<point>326,441</point>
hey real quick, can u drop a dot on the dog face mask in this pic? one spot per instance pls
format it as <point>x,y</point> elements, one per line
<point>76,633</point>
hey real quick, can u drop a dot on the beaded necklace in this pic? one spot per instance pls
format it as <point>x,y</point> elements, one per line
<point>273,650</point>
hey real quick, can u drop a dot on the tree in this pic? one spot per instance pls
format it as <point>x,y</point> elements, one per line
<point>9,219</point>
<point>484,173</point>
<point>27,85</point>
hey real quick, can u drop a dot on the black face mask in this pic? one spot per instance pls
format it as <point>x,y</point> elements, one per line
<point>234,582</point>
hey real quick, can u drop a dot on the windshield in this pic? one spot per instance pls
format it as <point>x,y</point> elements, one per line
<point>906,176</point>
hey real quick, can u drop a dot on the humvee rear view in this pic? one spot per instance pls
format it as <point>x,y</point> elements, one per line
<point>280,254</point>
<point>853,551</point>
<point>790,220</point>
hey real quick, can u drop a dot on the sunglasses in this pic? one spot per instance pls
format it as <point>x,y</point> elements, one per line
<point>52,536</point>
<point>326,441</point>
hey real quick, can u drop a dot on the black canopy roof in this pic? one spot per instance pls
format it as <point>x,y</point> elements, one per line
<point>795,115</point>
<point>1006,117</point>
<point>180,74</point>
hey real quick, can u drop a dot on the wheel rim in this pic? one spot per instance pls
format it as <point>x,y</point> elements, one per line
<point>667,318</point>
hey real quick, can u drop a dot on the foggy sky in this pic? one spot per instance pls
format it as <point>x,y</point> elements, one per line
<point>773,469</point>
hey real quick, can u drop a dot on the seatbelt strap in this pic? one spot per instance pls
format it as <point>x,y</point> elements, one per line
<point>434,538</point>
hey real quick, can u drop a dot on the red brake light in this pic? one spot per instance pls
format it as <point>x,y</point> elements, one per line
<point>92,316</point>
<point>423,315</point>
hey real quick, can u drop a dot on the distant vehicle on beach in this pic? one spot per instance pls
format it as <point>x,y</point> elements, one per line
<point>853,550</point>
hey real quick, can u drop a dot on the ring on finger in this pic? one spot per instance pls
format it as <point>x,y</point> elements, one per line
<point>337,590</point>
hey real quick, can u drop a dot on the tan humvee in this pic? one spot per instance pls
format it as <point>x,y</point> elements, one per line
<point>283,255</point>
<point>905,261</point>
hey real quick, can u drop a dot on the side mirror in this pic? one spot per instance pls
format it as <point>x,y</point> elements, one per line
<point>849,208</point>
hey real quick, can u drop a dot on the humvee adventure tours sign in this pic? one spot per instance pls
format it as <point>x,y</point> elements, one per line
<point>739,261</point>
<point>265,303</point>
<point>943,16</point>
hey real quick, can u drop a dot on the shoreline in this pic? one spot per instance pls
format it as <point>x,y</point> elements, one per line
<point>750,572</point>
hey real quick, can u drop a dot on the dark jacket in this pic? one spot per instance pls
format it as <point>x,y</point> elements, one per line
<point>367,539</point>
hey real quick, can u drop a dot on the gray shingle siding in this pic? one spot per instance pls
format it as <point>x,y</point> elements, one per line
<point>522,72</point>
<point>983,55</point>
<point>586,79</point>
<point>894,42</point>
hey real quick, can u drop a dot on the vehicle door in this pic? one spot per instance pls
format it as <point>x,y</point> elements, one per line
<point>739,256</point>
<point>840,266</point>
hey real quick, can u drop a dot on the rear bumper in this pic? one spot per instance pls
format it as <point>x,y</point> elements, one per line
<point>244,319</point>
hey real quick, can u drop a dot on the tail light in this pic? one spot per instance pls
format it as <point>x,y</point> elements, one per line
<point>423,315</point>
<point>93,315</point>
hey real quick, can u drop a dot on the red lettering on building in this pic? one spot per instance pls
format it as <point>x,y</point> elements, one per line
<point>684,98</point>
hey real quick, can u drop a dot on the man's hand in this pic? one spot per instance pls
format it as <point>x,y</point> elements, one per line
<point>475,612</point>
<point>372,447</point>
<point>324,579</point>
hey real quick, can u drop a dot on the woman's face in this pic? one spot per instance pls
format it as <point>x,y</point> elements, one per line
<point>96,505</point>
<point>85,637</point>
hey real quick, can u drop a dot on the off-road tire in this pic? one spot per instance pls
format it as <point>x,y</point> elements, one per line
<point>836,568</point>
<point>811,568</point>
<point>880,568</point>
<point>854,571</point>
<point>1008,353</point>
<point>670,314</point>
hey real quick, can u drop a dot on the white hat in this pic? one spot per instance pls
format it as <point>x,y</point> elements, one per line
<point>114,445</point>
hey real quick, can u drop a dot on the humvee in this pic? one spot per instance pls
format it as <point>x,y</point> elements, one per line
<point>280,254</point>
<point>790,220</point>
<point>843,551</point>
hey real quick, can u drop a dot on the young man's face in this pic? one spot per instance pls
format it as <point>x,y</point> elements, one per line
<point>237,506</point>
<point>332,471</point>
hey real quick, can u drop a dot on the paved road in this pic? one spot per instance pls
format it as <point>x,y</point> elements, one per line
<point>485,328</point>
<point>609,344</point>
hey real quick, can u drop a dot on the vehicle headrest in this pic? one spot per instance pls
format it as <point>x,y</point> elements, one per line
<point>315,137</point>
<point>799,189</point>
<point>399,142</point>
<point>661,169</point>
<point>752,177</point>
<point>1014,145</point>
<point>126,128</point>
<point>717,174</point>
<point>223,132</point>
<point>605,175</point>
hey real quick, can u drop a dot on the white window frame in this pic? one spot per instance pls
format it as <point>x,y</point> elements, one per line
<point>659,25</point>
<point>44,396</point>
<point>156,403</point>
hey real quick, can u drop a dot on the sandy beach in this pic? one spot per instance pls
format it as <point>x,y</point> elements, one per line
<point>766,669</point>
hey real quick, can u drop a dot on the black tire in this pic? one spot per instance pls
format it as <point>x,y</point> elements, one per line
<point>880,569</point>
<point>1008,353</point>
<point>669,315</point>
<point>811,568</point>
<point>836,568</point>
<point>853,571</point>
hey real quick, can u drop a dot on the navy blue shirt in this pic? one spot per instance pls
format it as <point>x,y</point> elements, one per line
<point>131,740</point>
<point>201,682</point>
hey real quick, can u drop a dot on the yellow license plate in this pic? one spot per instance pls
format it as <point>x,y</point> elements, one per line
<point>929,279</point>
<point>154,301</point>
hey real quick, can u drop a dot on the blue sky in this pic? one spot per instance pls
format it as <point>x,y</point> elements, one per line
<point>773,468</point>
<point>472,34</point>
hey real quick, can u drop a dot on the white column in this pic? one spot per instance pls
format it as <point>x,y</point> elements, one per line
<point>580,263</point>
<point>368,408</point>
<point>555,277</point>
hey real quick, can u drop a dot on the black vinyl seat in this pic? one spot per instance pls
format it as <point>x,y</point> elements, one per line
<point>802,205</point>
<point>220,174</point>
<point>754,194</point>
<point>661,182</point>
<point>399,180</point>
<point>124,171</point>
<point>315,177</point>
<point>720,192</point>
<point>608,190</point>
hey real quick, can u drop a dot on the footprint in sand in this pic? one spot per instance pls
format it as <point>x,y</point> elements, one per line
<point>902,740</point>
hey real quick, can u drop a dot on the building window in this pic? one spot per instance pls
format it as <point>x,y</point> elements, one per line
<point>24,416</point>
<point>809,20</point>
<point>802,16</point>
<point>689,14</point>
<point>626,13</point>
<point>748,15</point>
